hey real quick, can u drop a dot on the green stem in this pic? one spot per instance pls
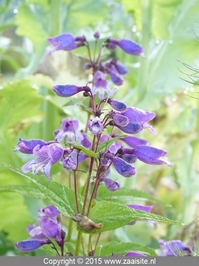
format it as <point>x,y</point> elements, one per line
<point>70,226</point>
<point>78,243</point>
<point>76,192</point>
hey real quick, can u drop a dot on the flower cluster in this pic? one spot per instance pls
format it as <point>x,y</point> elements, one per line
<point>71,144</point>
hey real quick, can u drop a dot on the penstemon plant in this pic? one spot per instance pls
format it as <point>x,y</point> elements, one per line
<point>107,141</point>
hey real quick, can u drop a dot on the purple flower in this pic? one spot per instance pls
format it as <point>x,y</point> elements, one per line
<point>111,184</point>
<point>99,80</point>
<point>45,157</point>
<point>119,120</point>
<point>117,105</point>
<point>70,162</point>
<point>69,129</point>
<point>134,141</point>
<point>127,46</point>
<point>95,125</point>
<point>112,71</point>
<point>48,228</point>
<point>174,248</point>
<point>151,155</point>
<point>122,167</point>
<point>66,42</point>
<point>137,120</point>
<point>96,35</point>
<point>27,146</point>
<point>31,244</point>
<point>127,155</point>
<point>121,69</point>
<point>69,90</point>
<point>85,140</point>
<point>49,224</point>
<point>100,85</point>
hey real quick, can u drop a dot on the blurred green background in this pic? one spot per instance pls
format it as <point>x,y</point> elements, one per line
<point>164,82</point>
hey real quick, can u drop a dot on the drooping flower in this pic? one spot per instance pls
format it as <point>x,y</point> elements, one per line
<point>138,120</point>
<point>174,248</point>
<point>45,157</point>
<point>66,42</point>
<point>111,184</point>
<point>119,119</point>
<point>127,46</point>
<point>117,105</point>
<point>123,168</point>
<point>151,155</point>
<point>95,125</point>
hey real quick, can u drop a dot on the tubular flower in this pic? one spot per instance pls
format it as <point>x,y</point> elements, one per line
<point>66,42</point>
<point>122,167</point>
<point>119,119</point>
<point>69,90</point>
<point>127,46</point>
<point>45,157</point>
<point>111,184</point>
<point>151,155</point>
<point>134,141</point>
<point>27,146</point>
<point>137,120</point>
<point>117,105</point>
<point>31,244</point>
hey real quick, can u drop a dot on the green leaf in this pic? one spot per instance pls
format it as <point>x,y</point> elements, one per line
<point>29,190</point>
<point>61,197</point>
<point>85,150</point>
<point>109,142</point>
<point>123,248</point>
<point>31,23</point>
<point>128,196</point>
<point>114,215</point>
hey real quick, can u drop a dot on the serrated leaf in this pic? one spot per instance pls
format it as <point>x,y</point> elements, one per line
<point>114,215</point>
<point>123,248</point>
<point>61,197</point>
<point>30,190</point>
<point>128,196</point>
<point>85,150</point>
